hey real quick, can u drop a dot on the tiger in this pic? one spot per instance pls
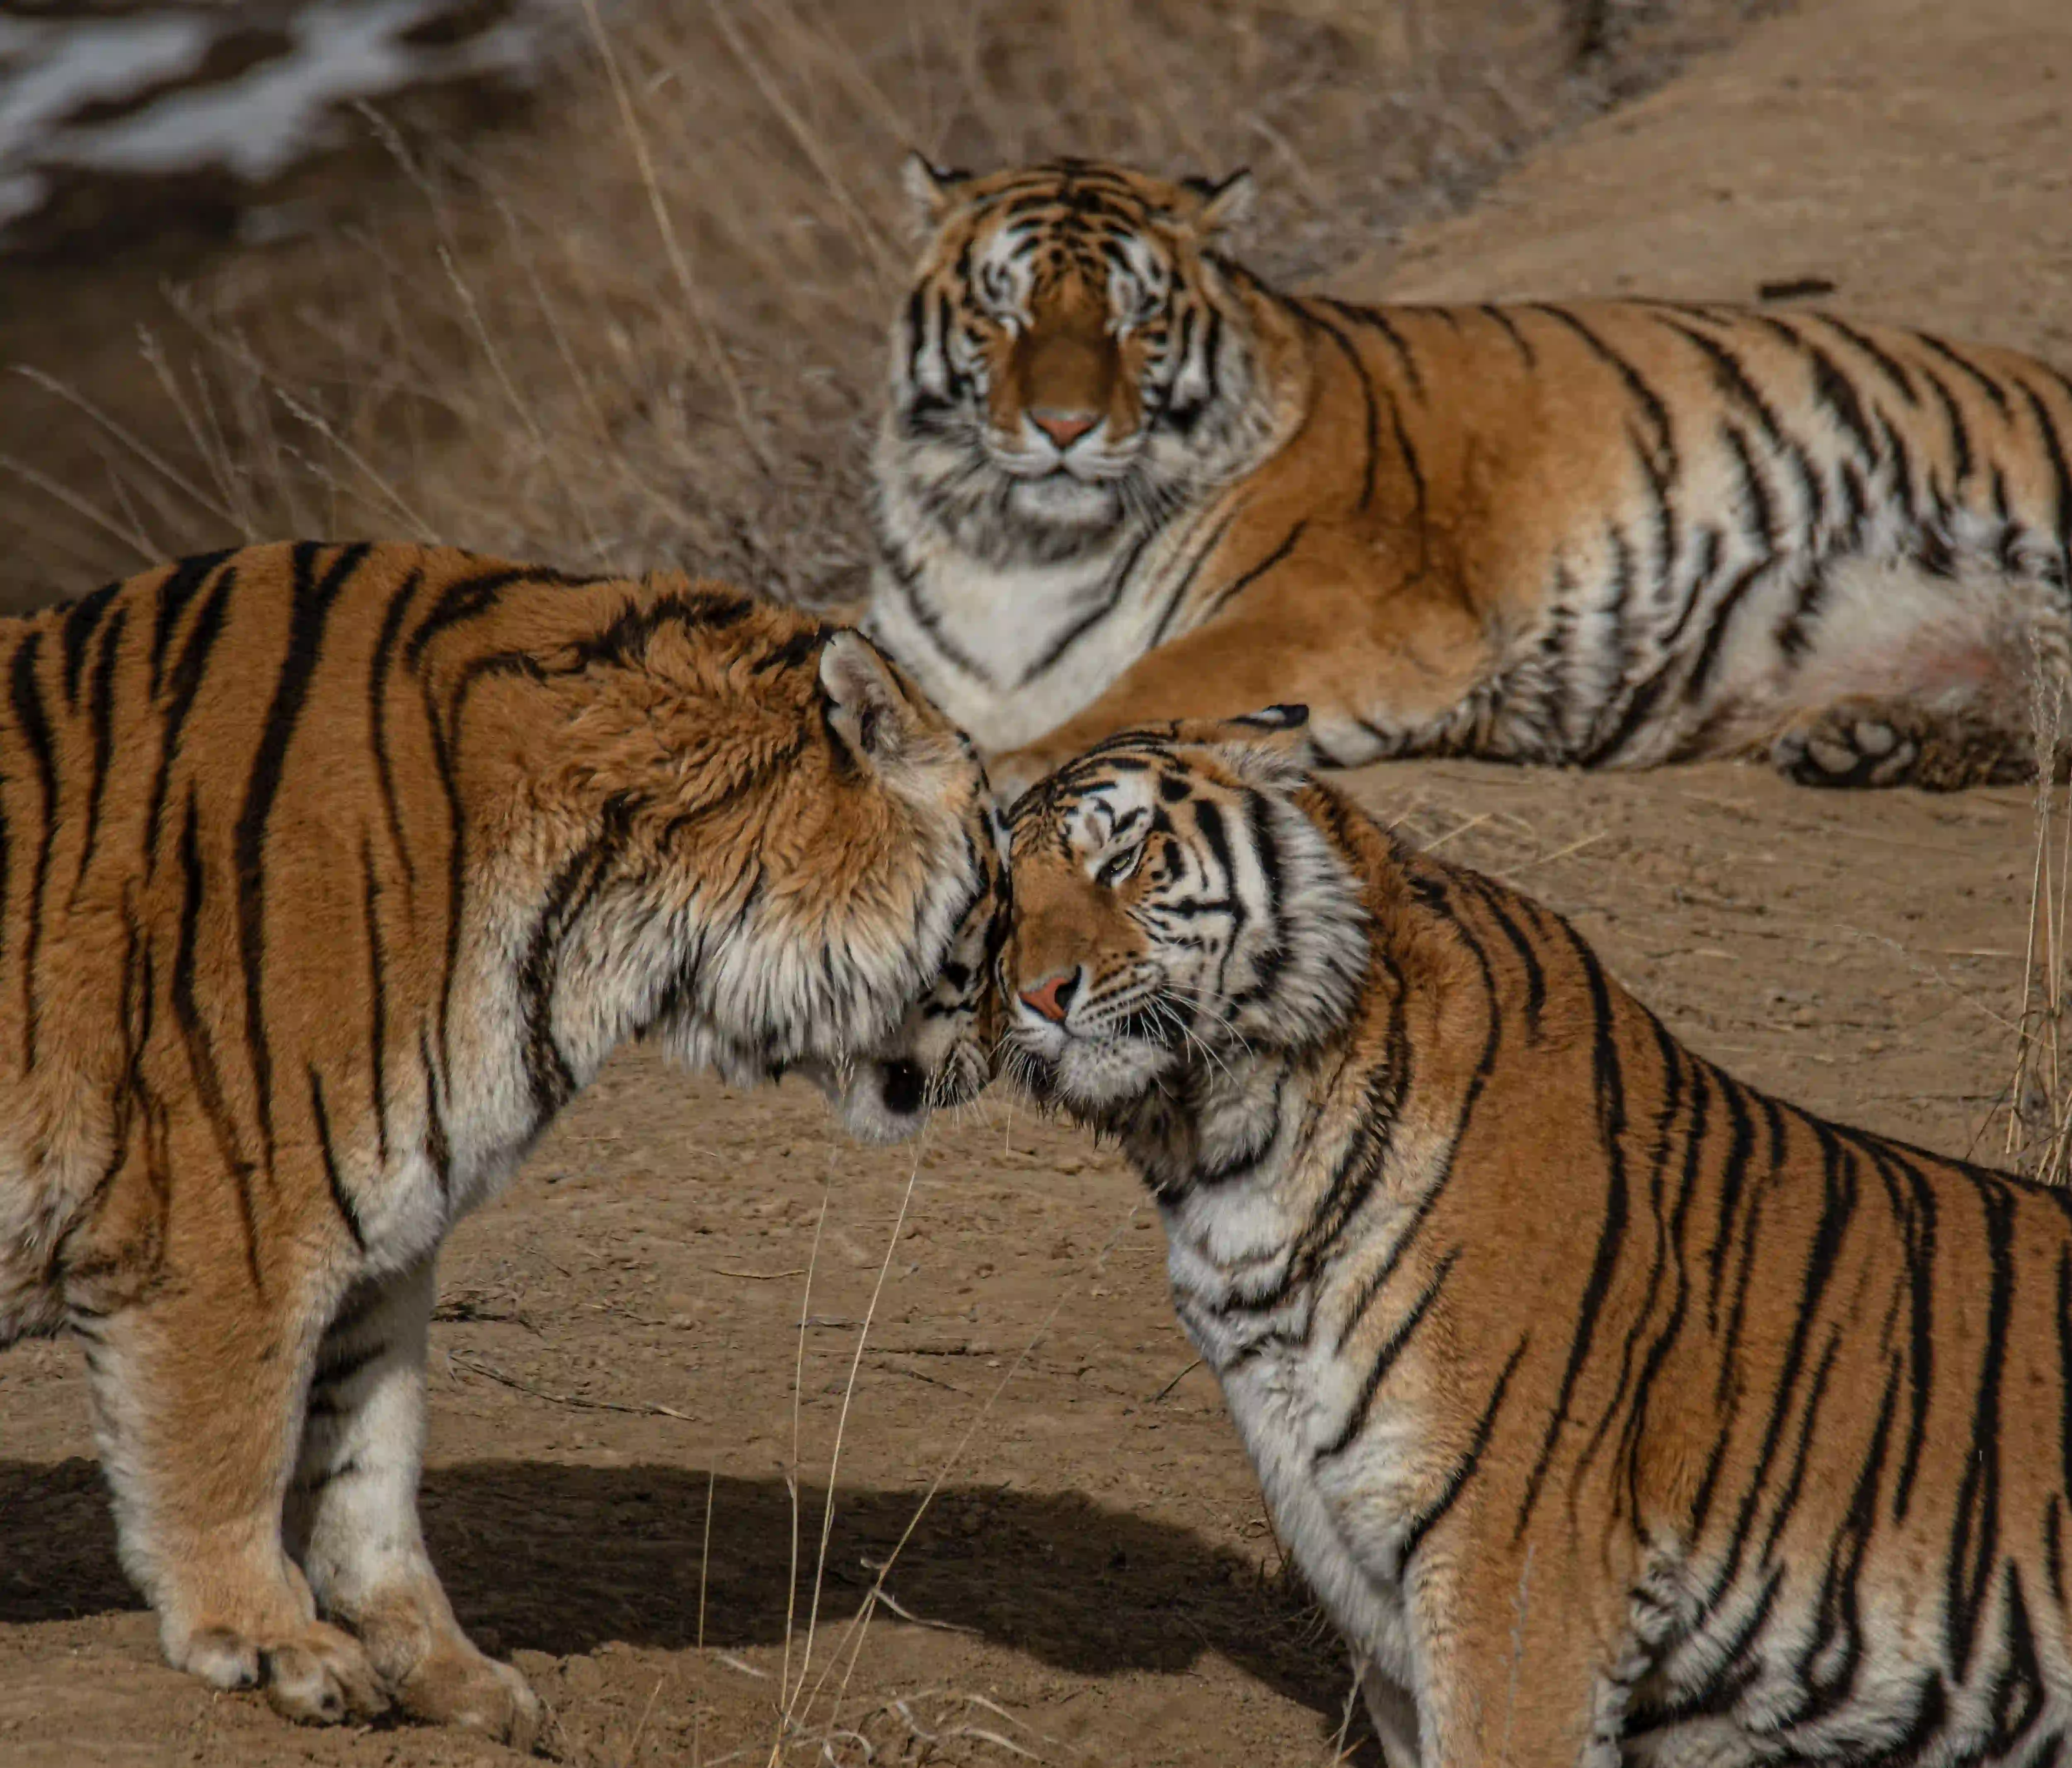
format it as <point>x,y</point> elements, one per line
<point>1120,478</point>
<point>1615,1411</point>
<point>330,873</point>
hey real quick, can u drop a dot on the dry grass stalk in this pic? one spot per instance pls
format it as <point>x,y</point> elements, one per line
<point>650,328</point>
<point>2037,1100</point>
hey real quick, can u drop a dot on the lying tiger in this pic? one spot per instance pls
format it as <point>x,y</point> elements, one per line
<point>1615,1411</point>
<point>329,874</point>
<point>1121,479</point>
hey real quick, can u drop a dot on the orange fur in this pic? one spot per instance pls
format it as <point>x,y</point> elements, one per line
<point>1611,534</point>
<point>329,873</point>
<point>1615,1411</point>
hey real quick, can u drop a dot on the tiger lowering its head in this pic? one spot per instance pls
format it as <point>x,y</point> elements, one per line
<point>1615,1411</point>
<point>1121,480</point>
<point>330,873</point>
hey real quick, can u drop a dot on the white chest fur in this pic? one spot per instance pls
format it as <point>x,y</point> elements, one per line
<point>1012,651</point>
<point>1287,1395</point>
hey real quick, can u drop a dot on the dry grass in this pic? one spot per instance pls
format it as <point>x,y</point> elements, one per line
<point>2035,1106</point>
<point>649,327</point>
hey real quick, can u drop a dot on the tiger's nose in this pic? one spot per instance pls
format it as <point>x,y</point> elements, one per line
<point>1052,996</point>
<point>1063,428</point>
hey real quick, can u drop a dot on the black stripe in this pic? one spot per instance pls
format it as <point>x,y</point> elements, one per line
<point>1421,1522</point>
<point>185,687</point>
<point>905,582</point>
<point>1178,592</point>
<point>1887,365</point>
<point>1636,384</point>
<point>1118,582</point>
<point>2060,478</point>
<point>1370,406</point>
<point>438,1149</point>
<point>471,596</point>
<point>1375,320</point>
<point>1975,1542</point>
<point>547,1072</point>
<point>1609,1084</point>
<point>311,608</point>
<point>101,720</point>
<point>1838,1202</point>
<point>1383,1359</point>
<point>1499,317</point>
<point>377,698</point>
<point>1244,582</point>
<point>1700,676</point>
<point>200,1047</point>
<point>1754,497</point>
<point>377,1003</point>
<point>1984,382</point>
<point>175,591</point>
<point>1960,435</point>
<point>1832,390</point>
<point>82,619</point>
<point>31,720</point>
<point>347,1213</point>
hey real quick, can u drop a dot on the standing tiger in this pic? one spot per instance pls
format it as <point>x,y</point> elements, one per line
<point>328,875</point>
<point>1615,1410</point>
<point>1122,479</point>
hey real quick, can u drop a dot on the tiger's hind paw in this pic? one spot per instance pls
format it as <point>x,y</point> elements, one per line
<point>1864,742</point>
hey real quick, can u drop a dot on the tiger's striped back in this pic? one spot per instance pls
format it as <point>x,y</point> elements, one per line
<point>1616,1410</point>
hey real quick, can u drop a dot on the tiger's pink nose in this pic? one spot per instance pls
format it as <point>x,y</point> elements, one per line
<point>1053,995</point>
<point>1063,428</point>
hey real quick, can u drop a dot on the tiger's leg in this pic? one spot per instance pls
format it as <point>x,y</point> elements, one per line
<point>1867,741</point>
<point>1363,692</point>
<point>352,1511</point>
<point>1511,1673</point>
<point>197,1393</point>
<point>1392,1711</point>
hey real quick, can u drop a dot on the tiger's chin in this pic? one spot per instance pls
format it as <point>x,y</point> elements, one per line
<point>1059,500</point>
<point>889,1098</point>
<point>1094,1083</point>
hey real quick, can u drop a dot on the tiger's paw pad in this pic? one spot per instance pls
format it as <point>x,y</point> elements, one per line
<point>1845,748</point>
<point>458,1685</point>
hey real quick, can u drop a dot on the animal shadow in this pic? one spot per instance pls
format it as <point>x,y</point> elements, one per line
<point>560,1558</point>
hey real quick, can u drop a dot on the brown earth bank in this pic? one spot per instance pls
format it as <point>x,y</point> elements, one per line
<point>638,1394</point>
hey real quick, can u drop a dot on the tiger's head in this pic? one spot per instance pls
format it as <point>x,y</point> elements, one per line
<point>941,1053</point>
<point>734,829</point>
<point>1073,350</point>
<point>1174,905</point>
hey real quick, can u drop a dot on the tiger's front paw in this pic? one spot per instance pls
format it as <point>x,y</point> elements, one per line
<point>318,1676</point>
<point>458,1685</point>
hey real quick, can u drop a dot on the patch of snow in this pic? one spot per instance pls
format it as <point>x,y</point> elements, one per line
<point>256,124</point>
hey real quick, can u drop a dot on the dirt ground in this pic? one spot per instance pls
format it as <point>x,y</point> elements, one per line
<point>638,1396</point>
<point>616,1359</point>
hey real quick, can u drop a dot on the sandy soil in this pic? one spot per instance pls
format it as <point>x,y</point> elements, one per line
<point>620,1365</point>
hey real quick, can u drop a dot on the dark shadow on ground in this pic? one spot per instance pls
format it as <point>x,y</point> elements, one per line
<point>562,1558</point>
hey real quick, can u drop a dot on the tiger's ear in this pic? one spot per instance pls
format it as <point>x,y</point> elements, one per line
<point>1270,748</point>
<point>931,189</point>
<point>1216,205</point>
<point>864,704</point>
